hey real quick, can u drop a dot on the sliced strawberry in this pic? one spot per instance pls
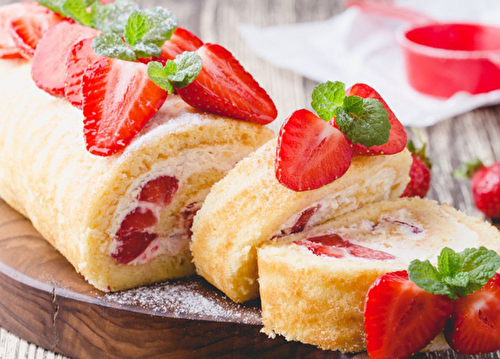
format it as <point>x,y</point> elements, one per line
<point>118,100</point>
<point>48,71</point>
<point>80,57</point>
<point>475,324</point>
<point>397,137</point>
<point>310,153</point>
<point>181,40</point>
<point>225,88</point>
<point>160,190</point>
<point>304,218</point>
<point>135,235</point>
<point>26,31</point>
<point>333,245</point>
<point>400,318</point>
<point>8,48</point>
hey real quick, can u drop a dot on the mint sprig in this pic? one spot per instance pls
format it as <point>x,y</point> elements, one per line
<point>363,121</point>
<point>457,274</point>
<point>145,33</point>
<point>177,73</point>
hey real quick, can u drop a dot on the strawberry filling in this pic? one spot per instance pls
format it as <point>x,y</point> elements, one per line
<point>136,239</point>
<point>135,235</point>
<point>333,245</point>
<point>300,224</point>
<point>159,191</point>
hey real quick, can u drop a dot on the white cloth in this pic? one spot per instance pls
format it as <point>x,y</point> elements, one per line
<point>359,47</point>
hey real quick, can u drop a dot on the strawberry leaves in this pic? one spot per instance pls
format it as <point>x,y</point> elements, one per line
<point>458,274</point>
<point>178,73</point>
<point>362,120</point>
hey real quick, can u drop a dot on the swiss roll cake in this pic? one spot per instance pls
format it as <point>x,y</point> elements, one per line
<point>313,283</point>
<point>123,220</point>
<point>249,207</point>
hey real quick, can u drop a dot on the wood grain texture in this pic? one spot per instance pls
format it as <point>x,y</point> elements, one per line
<point>474,134</point>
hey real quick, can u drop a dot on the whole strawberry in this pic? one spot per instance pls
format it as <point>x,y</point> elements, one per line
<point>485,185</point>
<point>420,172</point>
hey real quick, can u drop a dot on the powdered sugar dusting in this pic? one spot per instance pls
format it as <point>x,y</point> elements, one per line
<point>190,298</point>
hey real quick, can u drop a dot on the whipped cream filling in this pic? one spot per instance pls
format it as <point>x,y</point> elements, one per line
<point>345,199</point>
<point>400,234</point>
<point>182,167</point>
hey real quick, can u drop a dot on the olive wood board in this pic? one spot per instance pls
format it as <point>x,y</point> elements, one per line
<point>44,300</point>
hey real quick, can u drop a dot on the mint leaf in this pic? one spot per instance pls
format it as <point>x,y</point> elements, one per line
<point>449,262</point>
<point>179,73</point>
<point>137,26</point>
<point>112,18</point>
<point>77,10</point>
<point>327,97</point>
<point>363,121</point>
<point>481,264</point>
<point>144,50</point>
<point>458,274</point>
<point>188,65</point>
<point>162,23</point>
<point>427,277</point>
<point>113,46</point>
<point>159,74</point>
<point>54,5</point>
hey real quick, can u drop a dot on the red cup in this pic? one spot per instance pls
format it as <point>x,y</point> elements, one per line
<point>442,59</point>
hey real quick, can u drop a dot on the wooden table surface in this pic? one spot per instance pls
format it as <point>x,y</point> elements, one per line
<point>474,134</point>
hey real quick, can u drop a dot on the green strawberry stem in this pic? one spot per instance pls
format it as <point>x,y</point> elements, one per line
<point>467,169</point>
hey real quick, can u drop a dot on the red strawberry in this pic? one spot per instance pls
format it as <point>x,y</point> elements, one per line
<point>420,173</point>
<point>397,137</point>
<point>400,318</point>
<point>485,185</point>
<point>311,153</point>
<point>8,48</point>
<point>135,235</point>
<point>475,324</point>
<point>80,57</point>
<point>333,245</point>
<point>304,218</point>
<point>118,100</point>
<point>160,190</point>
<point>181,40</point>
<point>48,71</point>
<point>26,31</point>
<point>225,88</point>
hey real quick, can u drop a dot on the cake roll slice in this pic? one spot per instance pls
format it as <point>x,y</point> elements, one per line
<point>249,207</point>
<point>313,283</point>
<point>123,220</point>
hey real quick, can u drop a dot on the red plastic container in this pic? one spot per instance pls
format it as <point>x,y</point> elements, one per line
<point>442,59</point>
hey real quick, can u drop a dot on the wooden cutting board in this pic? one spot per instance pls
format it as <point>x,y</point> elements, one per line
<point>43,300</point>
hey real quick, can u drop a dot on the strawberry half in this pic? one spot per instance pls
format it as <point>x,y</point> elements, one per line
<point>397,137</point>
<point>118,100</point>
<point>48,71</point>
<point>26,31</point>
<point>181,40</point>
<point>225,88</point>
<point>400,318</point>
<point>475,324</point>
<point>8,48</point>
<point>80,57</point>
<point>310,153</point>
